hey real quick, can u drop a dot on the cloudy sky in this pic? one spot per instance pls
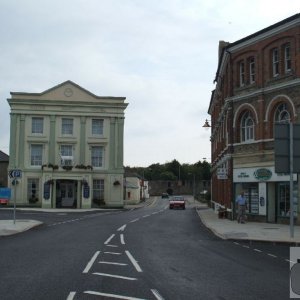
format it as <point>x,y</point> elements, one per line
<point>160,54</point>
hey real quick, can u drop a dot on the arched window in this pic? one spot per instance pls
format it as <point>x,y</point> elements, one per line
<point>282,114</point>
<point>247,127</point>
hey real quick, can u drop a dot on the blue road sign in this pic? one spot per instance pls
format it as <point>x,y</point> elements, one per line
<point>15,173</point>
<point>5,193</point>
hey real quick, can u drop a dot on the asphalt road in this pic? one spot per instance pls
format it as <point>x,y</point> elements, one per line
<point>148,253</point>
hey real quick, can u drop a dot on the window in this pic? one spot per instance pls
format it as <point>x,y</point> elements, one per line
<point>282,114</point>
<point>275,62</point>
<point>67,126</point>
<point>32,189</point>
<point>36,155</point>
<point>66,154</point>
<point>98,190</point>
<point>37,125</point>
<point>242,73</point>
<point>97,126</point>
<point>97,156</point>
<point>252,69</point>
<point>287,58</point>
<point>247,127</point>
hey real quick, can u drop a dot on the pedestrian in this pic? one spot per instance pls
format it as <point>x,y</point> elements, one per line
<point>242,205</point>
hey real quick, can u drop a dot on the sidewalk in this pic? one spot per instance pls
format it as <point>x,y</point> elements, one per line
<point>251,231</point>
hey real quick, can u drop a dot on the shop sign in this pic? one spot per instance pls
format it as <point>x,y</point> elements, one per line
<point>243,175</point>
<point>263,174</point>
<point>222,173</point>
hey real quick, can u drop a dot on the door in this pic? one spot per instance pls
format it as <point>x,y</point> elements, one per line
<point>67,190</point>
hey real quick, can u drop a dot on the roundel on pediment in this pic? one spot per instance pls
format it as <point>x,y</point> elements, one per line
<point>68,92</point>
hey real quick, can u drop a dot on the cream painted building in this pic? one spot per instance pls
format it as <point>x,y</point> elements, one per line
<point>68,143</point>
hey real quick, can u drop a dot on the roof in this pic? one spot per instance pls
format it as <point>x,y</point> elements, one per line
<point>3,157</point>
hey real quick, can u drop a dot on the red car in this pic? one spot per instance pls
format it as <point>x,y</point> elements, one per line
<point>177,202</point>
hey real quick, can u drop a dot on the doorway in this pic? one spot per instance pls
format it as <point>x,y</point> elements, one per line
<point>66,194</point>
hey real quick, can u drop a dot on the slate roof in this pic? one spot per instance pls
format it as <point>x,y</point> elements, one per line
<point>3,157</point>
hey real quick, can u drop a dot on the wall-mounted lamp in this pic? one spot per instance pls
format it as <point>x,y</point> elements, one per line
<point>206,124</point>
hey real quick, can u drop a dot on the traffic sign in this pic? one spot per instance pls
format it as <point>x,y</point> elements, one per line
<point>15,173</point>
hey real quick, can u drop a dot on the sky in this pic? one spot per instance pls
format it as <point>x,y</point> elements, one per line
<point>162,55</point>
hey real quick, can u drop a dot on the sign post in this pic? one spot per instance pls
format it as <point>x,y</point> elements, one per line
<point>14,174</point>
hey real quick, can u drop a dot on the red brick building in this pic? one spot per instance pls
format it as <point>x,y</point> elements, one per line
<point>257,84</point>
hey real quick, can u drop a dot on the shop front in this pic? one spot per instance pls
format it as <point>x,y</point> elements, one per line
<point>267,193</point>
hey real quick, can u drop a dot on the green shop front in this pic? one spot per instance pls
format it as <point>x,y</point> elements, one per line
<point>267,193</point>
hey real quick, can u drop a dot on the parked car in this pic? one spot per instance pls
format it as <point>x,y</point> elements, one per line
<point>164,195</point>
<point>177,202</point>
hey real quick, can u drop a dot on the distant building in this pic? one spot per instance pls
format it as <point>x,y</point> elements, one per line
<point>257,85</point>
<point>68,143</point>
<point>4,160</point>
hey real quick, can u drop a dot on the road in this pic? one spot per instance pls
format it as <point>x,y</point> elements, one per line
<point>147,253</point>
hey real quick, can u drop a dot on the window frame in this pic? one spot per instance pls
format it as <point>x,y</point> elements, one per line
<point>252,74</point>
<point>287,58</point>
<point>242,73</point>
<point>33,192</point>
<point>37,129</point>
<point>247,132</point>
<point>69,161</point>
<point>36,159</point>
<point>67,128</point>
<point>97,127</point>
<point>275,62</point>
<point>98,187</point>
<point>97,161</point>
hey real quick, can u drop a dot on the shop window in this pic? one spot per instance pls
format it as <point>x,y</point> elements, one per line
<point>284,199</point>
<point>247,127</point>
<point>32,190</point>
<point>251,195</point>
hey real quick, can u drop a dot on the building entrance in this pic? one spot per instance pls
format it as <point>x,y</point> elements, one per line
<point>66,194</point>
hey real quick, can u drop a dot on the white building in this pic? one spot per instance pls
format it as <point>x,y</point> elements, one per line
<point>68,143</point>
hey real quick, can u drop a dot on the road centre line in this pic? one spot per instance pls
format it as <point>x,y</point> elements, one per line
<point>146,216</point>
<point>71,296</point>
<point>109,239</point>
<point>135,220</point>
<point>112,295</point>
<point>156,294</point>
<point>257,250</point>
<point>122,239</point>
<point>133,261</point>
<point>272,255</point>
<point>90,263</point>
<point>115,276</point>
<point>113,253</point>
<point>112,263</point>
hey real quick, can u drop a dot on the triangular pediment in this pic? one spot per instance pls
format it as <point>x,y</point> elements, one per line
<point>66,91</point>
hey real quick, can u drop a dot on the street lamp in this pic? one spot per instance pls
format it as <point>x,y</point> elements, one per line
<point>206,124</point>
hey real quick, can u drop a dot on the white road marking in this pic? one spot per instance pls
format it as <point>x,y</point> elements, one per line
<point>236,243</point>
<point>122,239</point>
<point>146,216</point>
<point>135,220</point>
<point>112,263</point>
<point>90,263</point>
<point>290,261</point>
<point>109,239</point>
<point>71,296</point>
<point>154,213</point>
<point>246,246</point>
<point>115,276</point>
<point>113,246</point>
<point>272,255</point>
<point>133,261</point>
<point>257,250</point>
<point>156,294</point>
<point>113,253</point>
<point>112,295</point>
<point>122,228</point>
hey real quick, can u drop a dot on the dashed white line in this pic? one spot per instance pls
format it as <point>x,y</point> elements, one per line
<point>135,220</point>
<point>112,295</point>
<point>272,255</point>
<point>122,239</point>
<point>115,276</point>
<point>133,261</point>
<point>290,261</point>
<point>146,216</point>
<point>71,296</point>
<point>257,250</point>
<point>156,294</point>
<point>246,246</point>
<point>90,263</point>
<point>113,253</point>
<point>112,263</point>
<point>109,239</point>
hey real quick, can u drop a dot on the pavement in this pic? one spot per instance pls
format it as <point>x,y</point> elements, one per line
<point>223,228</point>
